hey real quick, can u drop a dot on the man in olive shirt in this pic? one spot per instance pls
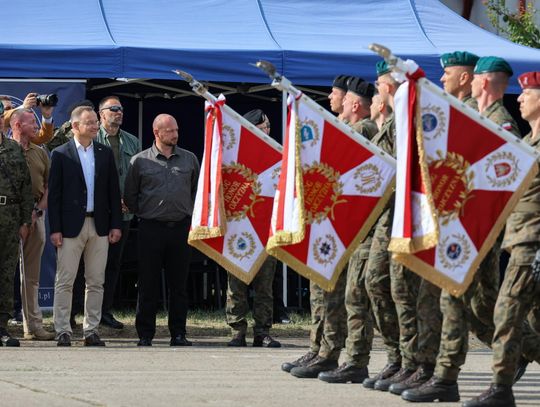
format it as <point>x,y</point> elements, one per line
<point>24,127</point>
<point>519,293</point>
<point>124,146</point>
<point>160,189</point>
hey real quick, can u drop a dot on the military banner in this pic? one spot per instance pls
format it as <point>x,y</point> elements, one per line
<point>233,206</point>
<point>459,177</point>
<point>332,188</point>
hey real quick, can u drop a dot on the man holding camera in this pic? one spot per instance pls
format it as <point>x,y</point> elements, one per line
<point>24,128</point>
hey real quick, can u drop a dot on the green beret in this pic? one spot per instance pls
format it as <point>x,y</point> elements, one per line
<point>382,68</point>
<point>459,58</point>
<point>492,64</point>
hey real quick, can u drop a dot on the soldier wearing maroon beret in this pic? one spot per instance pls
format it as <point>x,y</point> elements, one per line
<point>519,296</point>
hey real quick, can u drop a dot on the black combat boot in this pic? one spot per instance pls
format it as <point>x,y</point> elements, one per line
<point>422,375</point>
<point>403,374</point>
<point>312,370</point>
<point>521,368</point>
<point>433,389</point>
<point>301,361</point>
<point>498,395</point>
<point>388,371</point>
<point>344,374</point>
<point>238,341</point>
<point>7,340</point>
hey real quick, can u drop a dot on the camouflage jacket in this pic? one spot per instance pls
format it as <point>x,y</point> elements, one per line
<point>15,182</point>
<point>365,127</point>
<point>61,136</point>
<point>385,139</point>
<point>497,113</point>
<point>470,101</point>
<point>523,224</point>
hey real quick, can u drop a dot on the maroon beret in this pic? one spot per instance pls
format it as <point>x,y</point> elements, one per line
<point>529,80</point>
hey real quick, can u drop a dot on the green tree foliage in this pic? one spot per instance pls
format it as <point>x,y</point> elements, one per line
<point>517,27</point>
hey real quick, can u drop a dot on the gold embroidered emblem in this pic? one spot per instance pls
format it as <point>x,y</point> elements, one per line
<point>241,246</point>
<point>228,138</point>
<point>454,251</point>
<point>433,122</point>
<point>322,189</point>
<point>324,249</point>
<point>505,167</point>
<point>240,191</point>
<point>370,178</point>
<point>309,132</point>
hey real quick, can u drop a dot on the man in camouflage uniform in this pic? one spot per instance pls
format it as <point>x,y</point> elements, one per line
<point>474,309</point>
<point>416,300</point>
<point>237,306</point>
<point>16,203</point>
<point>356,111</point>
<point>328,314</point>
<point>520,290</point>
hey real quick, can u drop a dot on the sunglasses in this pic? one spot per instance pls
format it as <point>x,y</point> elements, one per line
<point>114,109</point>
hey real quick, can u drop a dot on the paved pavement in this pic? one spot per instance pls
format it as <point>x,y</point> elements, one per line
<point>208,374</point>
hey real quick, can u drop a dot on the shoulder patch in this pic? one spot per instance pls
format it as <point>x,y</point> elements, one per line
<point>507,126</point>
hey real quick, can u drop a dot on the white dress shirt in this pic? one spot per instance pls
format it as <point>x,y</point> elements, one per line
<point>88,163</point>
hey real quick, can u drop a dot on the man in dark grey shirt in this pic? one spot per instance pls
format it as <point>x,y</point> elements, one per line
<point>160,189</point>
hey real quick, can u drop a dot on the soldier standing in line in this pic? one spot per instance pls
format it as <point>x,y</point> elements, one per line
<point>328,314</point>
<point>356,107</point>
<point>359,321</point>
<point>474,309</point>
<point>519,292</point>
<point>16,203</point>
<point>237,306</point>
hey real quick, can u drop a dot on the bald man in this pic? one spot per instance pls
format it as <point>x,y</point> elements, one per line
<point>160,189</point>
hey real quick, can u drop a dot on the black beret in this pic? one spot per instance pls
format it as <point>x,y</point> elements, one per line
<point>361,87</point>
<point>255,116</point>
<point>341,82</point>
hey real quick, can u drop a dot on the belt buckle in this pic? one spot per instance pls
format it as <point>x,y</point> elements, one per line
<point>3,200</point>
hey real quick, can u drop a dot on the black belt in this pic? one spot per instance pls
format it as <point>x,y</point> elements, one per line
<point>166,223</point>
<point>89,214</point>
<point>5,200</point>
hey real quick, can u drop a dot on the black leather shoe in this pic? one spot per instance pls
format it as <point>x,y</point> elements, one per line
<point>521,368</point>
<point>403,374</point>
<point>301,361</point>
<point>422,375</point>
<point>7,340</point>
<point>238,341</point>
<point>93,340</point>
<point>110,321</point>
<point>388,371</point>
<point>144,342</point>
<point>432,390</point>
<point>498,395</point>
<point>265,341</point>
<point>64,340</point>
<point>312,370</point>
<point>344,374</point>
<point>180,340</point>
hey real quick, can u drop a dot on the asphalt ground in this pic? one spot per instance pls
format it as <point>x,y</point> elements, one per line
<point>207,374</point>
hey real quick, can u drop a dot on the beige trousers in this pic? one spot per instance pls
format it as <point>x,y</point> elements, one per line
<point>95,250</point>
<point>32,249</point>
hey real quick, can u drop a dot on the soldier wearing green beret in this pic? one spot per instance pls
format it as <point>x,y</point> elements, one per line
<point>16,203</point>
<point>491,75</point>
<point>458,74</point>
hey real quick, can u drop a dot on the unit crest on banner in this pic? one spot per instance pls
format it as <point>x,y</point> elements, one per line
<point>332,188</point>
<point>477,172</point>
<point>238,174</point>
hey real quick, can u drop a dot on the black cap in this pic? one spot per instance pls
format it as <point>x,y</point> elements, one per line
<point>340,82</point>
<point>255,116</point>
<point>361,87</point>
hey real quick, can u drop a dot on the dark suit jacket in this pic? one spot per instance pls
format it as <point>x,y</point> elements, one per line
<point>67,191</point>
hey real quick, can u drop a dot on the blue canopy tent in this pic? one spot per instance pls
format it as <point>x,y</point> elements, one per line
<point>309,41</point>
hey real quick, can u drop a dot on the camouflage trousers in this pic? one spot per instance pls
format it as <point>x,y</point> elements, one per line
<point>377,278</point>
<point>334,320</point>
<point>472,311</point>
<point>237,306</point>
<point>359,320</point>
<point>316,302</point>
<point>518,298</point>
<point>419,316</point>
<point>9,255</point>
